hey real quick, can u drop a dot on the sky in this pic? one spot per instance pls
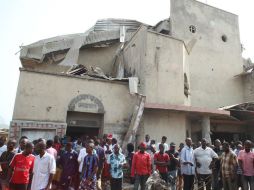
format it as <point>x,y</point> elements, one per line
<point>26,21</point>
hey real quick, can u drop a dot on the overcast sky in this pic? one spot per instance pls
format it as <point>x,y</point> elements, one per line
<point>25,21</point>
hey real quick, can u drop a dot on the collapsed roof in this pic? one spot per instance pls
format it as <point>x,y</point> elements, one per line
<point>103,33</point>
<point>243,112</point>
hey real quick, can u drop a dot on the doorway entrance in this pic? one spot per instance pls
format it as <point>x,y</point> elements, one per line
<point>81,124</point>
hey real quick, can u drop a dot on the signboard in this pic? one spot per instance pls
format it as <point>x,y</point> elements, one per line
<point>86,103</point>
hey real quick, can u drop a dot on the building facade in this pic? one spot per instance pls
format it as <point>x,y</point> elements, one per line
<point>188,68</point>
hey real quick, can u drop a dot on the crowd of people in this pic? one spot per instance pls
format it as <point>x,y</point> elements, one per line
<point>100,164</point>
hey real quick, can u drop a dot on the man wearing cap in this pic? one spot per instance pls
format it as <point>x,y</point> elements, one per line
<point>141,167</point>
<point>173,165</point>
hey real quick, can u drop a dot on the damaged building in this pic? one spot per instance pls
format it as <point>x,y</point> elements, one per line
<point>183,77</point>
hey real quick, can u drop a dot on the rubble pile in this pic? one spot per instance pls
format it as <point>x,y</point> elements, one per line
<point>154,182</point>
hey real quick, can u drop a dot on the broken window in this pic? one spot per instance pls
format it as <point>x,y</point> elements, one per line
<point>186,86</point>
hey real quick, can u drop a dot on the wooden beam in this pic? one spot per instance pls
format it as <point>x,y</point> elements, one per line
<point>130,136</point>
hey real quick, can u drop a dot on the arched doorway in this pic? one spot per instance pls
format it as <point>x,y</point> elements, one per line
<point>85,117</point>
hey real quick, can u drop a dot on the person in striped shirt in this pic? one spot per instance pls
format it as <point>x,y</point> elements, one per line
<point>228,167</point>
<point>90,167</point>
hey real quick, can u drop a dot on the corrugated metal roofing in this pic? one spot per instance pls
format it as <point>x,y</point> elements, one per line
<point>116,24</point>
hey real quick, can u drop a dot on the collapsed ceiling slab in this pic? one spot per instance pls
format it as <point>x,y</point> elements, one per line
<point>103,31</point>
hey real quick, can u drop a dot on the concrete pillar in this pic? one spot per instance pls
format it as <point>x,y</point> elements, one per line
<point>205,124</point>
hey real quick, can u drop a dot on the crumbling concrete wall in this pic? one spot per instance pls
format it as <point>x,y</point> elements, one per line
<point>46,97</point>
<point>213,62</point>
<point>158,61</point>
<point>95,56</point>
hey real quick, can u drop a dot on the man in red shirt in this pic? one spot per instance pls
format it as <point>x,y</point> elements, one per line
<point>161,160</point>
<point>141,167</point>
<point>21,167</point>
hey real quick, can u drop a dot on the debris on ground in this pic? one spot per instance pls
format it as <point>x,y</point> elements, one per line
<point>154,182</point>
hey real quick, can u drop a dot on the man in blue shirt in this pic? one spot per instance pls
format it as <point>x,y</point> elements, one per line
<point>69,162</point>
<point>116,161</point>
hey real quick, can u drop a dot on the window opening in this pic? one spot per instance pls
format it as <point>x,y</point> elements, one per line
<point>192,29</point>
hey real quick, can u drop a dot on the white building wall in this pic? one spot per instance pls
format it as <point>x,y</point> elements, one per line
<point>213,63</point>
<point>160,123</point>
<point>46,97</point>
